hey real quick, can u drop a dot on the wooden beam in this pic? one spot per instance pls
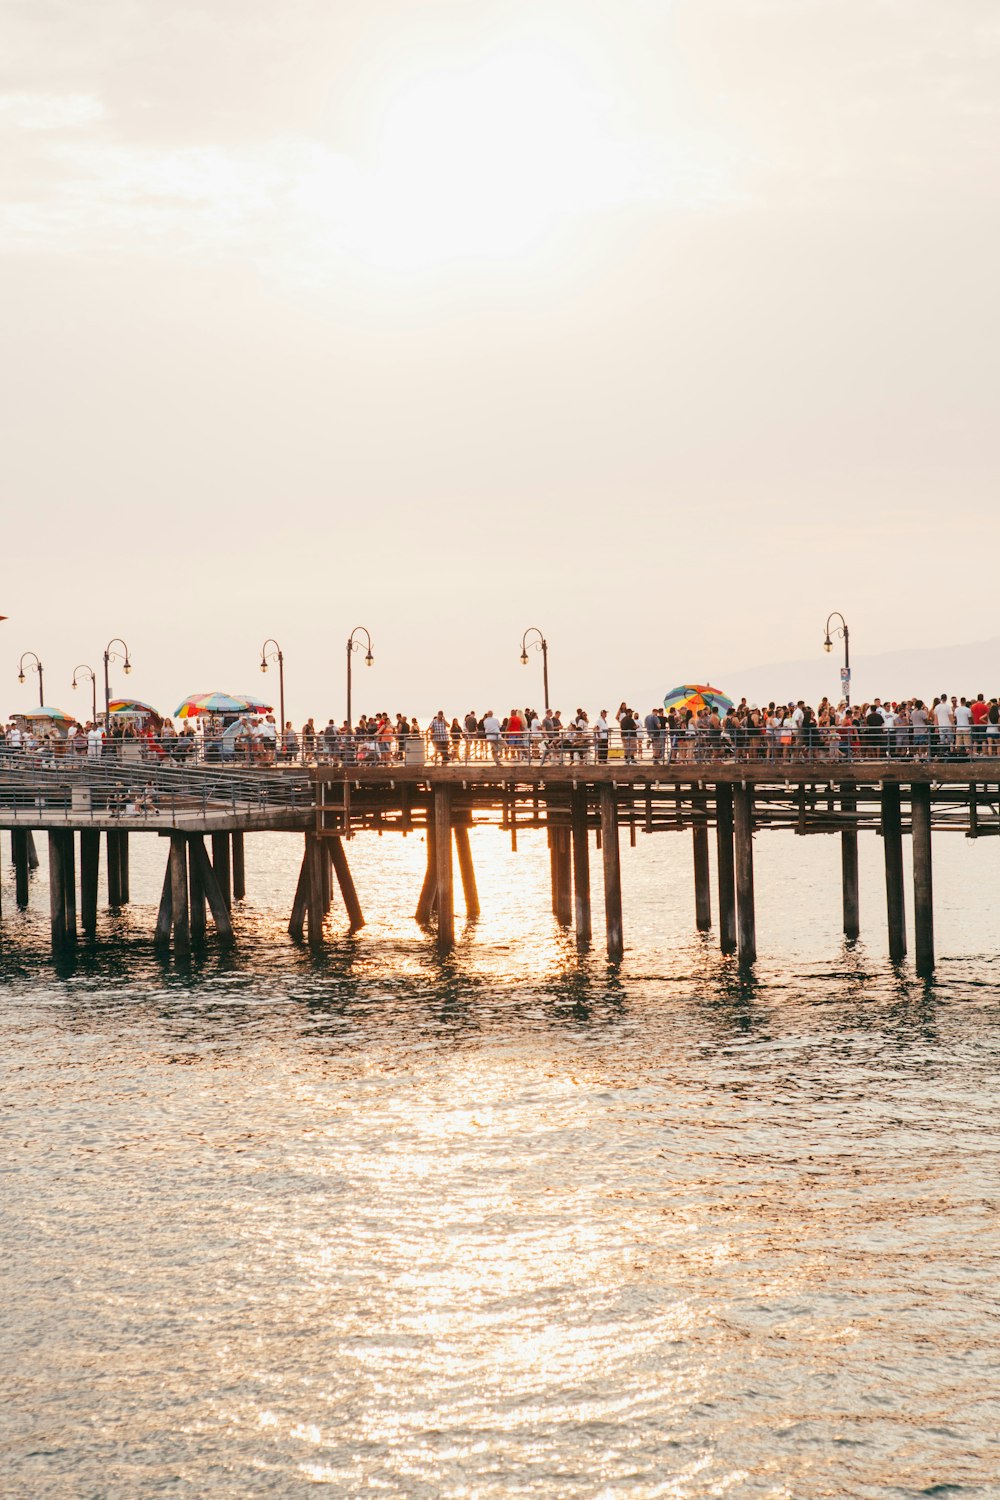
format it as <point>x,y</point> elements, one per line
<point>702,878</point>
<point>443,867</point>
<point>315,854</point>
<point>849,869</point>
<point>196,886</point>
<point>165,912</point>
<point>222,865</point>
<point>239,868</point>
<point>124,884</point>
<point>213,892</point>
<point>114,868</point>
<point>90,859</point>
<point>892,839</point>
<point>428,891</point>
<point>69,884</point>
<point>467,870</point>
<point>923,887</point>
<point>297,920</point>
<point>746,920</point>
<point>342,870</point>
<point>612,872</point>
<point>726,868</point>
<point>19,849</point>
<point>581,866</point>
<point>57,890</point>
<point>179,893</point>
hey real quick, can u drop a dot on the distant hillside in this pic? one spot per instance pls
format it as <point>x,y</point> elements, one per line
<point>963,670</point>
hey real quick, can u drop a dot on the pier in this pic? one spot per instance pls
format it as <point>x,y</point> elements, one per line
<point>203,814</point>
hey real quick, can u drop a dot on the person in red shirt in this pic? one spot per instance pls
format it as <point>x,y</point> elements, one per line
<point>980,708</point>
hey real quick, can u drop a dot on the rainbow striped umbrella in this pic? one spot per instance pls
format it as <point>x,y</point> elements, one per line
<point>697,696</point>
<point>219,703</point>
<point>131,706</point>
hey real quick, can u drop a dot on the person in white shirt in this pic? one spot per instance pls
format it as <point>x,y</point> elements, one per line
<point>944,721</point>
<point>601,731</point>
<point>95,742</point>
<point>493,729</point>
<point>963,725</point>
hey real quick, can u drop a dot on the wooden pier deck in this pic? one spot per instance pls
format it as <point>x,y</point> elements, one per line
<point>582,807</point>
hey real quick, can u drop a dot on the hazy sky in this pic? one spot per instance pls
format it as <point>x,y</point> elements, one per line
<point>668,327</point>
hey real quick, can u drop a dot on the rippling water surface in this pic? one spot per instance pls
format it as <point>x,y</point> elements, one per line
<point>512,1224</point>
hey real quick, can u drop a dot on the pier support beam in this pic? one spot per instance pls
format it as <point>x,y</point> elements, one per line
<point>923,892</point>
<point>612,872</point>
<point>849,869</point>
<point>342,870</point>
<point>165,912</point>
<point>62,889</point>
<point>726,861</point>
<point>114,868</point>
<point>32,851</point>
<point>90,859</point>
<point>562,870</point>
<point>221,866</point>
<point>124,888</point>
<point>239,868</point>
<point>213,891</point>
<point>581,867</point>
<point>428,891</point>
<point>196,886</point>
<point>19,850</point>
<point>443,864</point>
<point>746,919</point>
<point>467,870</point>
<point>315,855</point>
<point>892,839</point>
<point>702,879</point>
<point>179,893</point>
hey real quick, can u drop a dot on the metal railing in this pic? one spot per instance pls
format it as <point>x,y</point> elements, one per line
<point>132,761</point>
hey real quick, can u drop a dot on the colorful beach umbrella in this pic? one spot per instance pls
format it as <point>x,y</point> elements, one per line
<point>219,703</point>
<point>131,706</point>
<point>54,715</point>
<point>697,696</point>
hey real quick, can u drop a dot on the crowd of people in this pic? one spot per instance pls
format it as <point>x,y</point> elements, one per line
<point>945,727</point>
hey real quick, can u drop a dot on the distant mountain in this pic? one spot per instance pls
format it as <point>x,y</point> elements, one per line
<point>922,673</point>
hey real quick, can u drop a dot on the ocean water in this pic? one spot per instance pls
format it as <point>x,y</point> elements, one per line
<point>515,1223</point>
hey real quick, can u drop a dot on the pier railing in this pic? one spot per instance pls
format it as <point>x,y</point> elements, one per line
<point>130,761</point>
<point>84,790</point>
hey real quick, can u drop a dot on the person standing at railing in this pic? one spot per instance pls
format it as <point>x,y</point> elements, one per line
<point>493,730</point>
<point>440,736</point>
<point>944,721</point>
<point>654,734</point>
<point>979,709</point>
<point>602,734</point>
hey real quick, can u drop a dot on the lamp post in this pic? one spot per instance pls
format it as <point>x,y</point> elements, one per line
<point>110,656</point>
<point>841,629</point>
<point>278,656</point>
<point>88,672</point>
<point>542,645</point>
<point>352,646</point>
<point>34,665</point>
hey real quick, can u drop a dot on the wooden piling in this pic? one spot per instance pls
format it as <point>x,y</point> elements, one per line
<point>326,876</point>
<point>69,882</point>
<point>581,866</point>
<point>124,885</point>
<point>726,867</point>
<point>746,920</point>
<point>849,868</point>
<point>213,891</point>
<point>315,854</point>
<point>239,868</point>
<point>342,870</point>
<point>57,890</point>
<point>179,893</point>
<point>19,849</point>
<point>612,872</point>
<point>443,865</point>
<point>892,839</point>
<point>702,878</point>
<point>90,859</point>
<point>564,874</point>
<point>467,870</point>
<point>923,892</point>
<point>428,891</point>
<point>221,864</point>
<point>32,851</point>
<point>196,887</point>
<point>297,920</point>
<point>165,911</point>
<point>114,868</point>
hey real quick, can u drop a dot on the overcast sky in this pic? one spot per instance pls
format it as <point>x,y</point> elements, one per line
<point>667,327</point>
